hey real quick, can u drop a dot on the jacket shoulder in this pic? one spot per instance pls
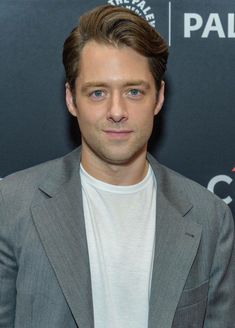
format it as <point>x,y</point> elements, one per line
<point>180,190</point>
<point>194,191</point>
<point>21,185</point>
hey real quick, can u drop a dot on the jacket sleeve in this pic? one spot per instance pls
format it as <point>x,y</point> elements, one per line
<point>8,270</point>
<point>221,298</point>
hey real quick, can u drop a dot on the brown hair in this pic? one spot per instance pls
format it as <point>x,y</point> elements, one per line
<point>117,26</point>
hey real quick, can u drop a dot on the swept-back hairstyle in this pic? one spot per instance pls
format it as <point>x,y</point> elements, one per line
<point>119,27</point>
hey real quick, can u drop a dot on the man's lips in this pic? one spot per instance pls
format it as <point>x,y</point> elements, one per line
<point>118,134</point>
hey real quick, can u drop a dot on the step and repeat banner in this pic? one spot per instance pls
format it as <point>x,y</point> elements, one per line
<point>195,132</point>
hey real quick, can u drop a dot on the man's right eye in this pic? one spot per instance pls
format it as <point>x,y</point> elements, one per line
<point>97,94</point>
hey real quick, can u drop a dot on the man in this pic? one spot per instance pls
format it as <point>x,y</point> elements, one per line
<point>107,237</point>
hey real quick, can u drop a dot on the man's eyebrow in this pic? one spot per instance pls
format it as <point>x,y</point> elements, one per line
<point>99,84</point>
<point>93,84</point>
<point>137,83</point>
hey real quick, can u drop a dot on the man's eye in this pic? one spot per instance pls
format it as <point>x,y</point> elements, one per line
<point>97,94</point>
<point>135,92</point>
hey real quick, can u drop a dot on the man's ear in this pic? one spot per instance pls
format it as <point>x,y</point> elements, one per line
<point>160,98</point>
<point>70,101</point>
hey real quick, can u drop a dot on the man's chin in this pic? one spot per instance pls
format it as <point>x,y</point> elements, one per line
<point>120,158</point>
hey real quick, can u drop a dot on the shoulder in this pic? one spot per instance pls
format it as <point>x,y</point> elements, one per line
<point>206,208</point>
<point>195,192</point>
<point>26,180</point>
<point>20,186</point>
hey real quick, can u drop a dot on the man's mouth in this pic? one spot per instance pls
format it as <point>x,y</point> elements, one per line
<point>118,134</point>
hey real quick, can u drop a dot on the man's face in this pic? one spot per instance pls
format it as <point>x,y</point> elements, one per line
<point>116,100</point>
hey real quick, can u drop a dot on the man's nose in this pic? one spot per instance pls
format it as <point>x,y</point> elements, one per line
<point>117,111</point>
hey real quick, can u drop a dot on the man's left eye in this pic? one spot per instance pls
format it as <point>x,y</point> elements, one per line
<point>98,93</point>
<point>135,92</point>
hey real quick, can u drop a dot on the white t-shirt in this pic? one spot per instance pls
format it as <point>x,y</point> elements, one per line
<point>120,228</point>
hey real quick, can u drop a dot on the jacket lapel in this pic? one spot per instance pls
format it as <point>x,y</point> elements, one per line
<point>176,243</point>
<point>59,220</point>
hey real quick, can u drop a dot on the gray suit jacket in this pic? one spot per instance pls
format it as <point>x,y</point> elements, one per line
<point>44,266</point>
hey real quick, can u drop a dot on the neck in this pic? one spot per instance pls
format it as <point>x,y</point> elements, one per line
<point>123,174</point>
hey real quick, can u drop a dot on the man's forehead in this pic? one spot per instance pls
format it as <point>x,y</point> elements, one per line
<point>98,50</point>
<point>100,57</point>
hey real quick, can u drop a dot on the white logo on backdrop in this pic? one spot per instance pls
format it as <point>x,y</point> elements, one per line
<point>139,6</point>
<point>193,22</point>
<point>221,179</point>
